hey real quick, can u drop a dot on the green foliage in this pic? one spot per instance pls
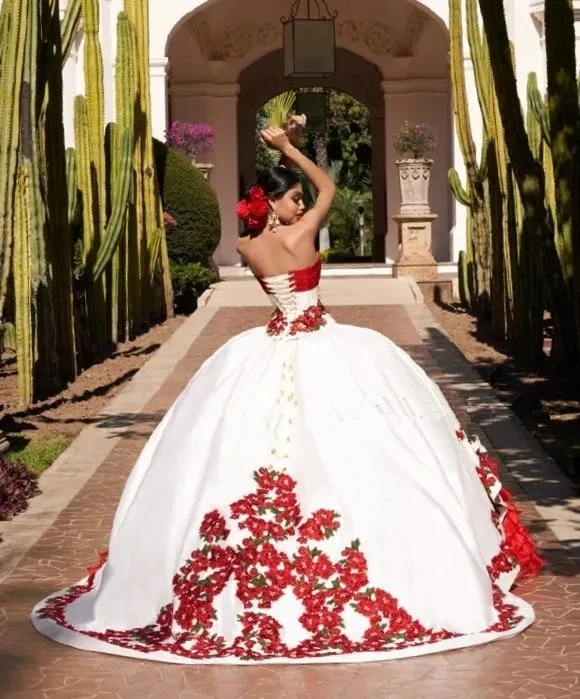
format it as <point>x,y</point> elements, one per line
<point>349,139</point>
<point>188,197</point>
<point>191,276</point>
<point>40,452</point>
<point>265,157</point>
<point>343,221</point>
<point>279,108</point>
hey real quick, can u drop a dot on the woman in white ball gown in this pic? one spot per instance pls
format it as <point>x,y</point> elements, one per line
<point>308,498</point>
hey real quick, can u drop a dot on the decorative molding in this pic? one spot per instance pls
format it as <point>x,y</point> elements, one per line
<point>383,39</point>
<point>378,38</point>
<point>415,86</point>
<point>205,90</point>
<point>232,43</point>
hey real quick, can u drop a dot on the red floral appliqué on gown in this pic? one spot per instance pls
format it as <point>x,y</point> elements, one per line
<point>272,577</point>
<point>263,573</point>
<point>518,547</point>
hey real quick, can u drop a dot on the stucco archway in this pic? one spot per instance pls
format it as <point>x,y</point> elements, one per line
<point>354,75</point>
<point>393,59</point>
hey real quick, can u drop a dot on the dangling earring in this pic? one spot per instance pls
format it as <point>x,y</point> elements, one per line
<point>273,220</point>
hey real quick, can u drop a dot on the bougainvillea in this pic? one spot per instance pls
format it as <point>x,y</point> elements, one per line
<point>195,140</point>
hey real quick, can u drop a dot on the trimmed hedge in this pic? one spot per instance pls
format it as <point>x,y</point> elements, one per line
<point>188,197</point>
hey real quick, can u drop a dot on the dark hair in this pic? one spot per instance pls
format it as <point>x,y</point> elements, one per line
<point>276,181</point>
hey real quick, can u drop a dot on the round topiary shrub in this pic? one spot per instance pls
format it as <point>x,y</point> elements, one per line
<point>189,199</point>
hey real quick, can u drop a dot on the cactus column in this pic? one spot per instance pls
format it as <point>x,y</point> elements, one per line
<point>564,124</point>
<point>59,238</point>
<point>11,67</point>
<point>477,254</point>
<point>155,269</point>
<point>530,181</point>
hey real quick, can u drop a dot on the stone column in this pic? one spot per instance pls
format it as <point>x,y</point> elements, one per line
<point>158,89</point>
<point>415,258</point>
<point>420,100</point>
<point>217,105</point>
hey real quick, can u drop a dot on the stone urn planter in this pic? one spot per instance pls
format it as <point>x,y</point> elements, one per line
<point>204,168</point>
<point>414,178</point>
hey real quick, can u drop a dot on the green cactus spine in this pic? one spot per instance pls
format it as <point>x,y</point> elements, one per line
<point>564,122</point>
<point>12,52</point>
<point>22,292</point>
<point>31,158</point>
<point>154,264</point>
<point>478,251</point>
<point>530,181</point>
<point>463,280</point>
<point>126,267</point>
<point>70,25</point>
<point>59,239</point>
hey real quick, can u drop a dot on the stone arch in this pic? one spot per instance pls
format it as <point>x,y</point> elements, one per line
<point>354,75</point>
<point>167,18</point>
<point>394,59</point>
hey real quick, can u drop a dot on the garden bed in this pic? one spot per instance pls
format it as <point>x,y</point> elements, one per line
<point>548,406</point>
<point>40,432</point>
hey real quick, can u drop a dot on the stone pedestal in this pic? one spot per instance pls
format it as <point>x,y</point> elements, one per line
<point>415,258</point>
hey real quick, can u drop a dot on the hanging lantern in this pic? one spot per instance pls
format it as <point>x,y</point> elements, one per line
<point>309,40</point>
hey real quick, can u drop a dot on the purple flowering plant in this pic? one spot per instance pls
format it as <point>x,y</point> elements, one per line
<point>195,140</point>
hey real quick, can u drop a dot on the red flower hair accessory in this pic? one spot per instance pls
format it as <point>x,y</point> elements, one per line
<point>253,210</point>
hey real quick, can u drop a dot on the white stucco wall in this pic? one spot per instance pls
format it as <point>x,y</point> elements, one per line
<point>167,19</point>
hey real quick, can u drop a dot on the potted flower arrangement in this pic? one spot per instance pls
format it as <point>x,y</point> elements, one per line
<point>195,140</point>
<point>411,143</point>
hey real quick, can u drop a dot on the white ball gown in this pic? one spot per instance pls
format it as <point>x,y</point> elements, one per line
<point>309,497</point>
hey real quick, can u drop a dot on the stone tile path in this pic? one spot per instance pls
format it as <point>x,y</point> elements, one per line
<point>540,664</point>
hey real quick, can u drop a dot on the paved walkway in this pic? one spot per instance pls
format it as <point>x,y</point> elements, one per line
<point>50,545</point>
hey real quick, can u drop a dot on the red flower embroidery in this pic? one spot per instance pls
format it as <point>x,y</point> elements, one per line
<point>262,574</point>
<point>277,323</point>
<point>310,320</point>
<point>518,547</point>
<point>213,527</point>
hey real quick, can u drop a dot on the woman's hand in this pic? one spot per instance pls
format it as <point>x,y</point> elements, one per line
<point>275,138</point>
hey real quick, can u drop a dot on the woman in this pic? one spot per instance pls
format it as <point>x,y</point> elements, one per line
<point>309,497</point>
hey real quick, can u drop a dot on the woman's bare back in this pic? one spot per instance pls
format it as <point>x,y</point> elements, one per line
<point>276,252</point>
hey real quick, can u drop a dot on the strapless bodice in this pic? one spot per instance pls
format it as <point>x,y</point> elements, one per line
<point>296,297</point>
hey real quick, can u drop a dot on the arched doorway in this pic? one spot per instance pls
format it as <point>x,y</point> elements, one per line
<point>354,75</point>
<point>224,60</point>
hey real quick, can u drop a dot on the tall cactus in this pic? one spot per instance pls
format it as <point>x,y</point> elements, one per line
<point>478,248</point>
<point>564,123</point>
<point>126,262</point>
<point>530,180</point>
<point>149,210</point>
<point>12,63</point>
<point>59,239</point>
<point>22,291</point>
<point>104,212</point>
<point>511,269</point>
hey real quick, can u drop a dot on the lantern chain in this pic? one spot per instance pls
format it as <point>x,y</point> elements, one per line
<point>315,9</point>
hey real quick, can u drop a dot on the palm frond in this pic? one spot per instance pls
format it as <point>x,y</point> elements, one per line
<point>279,108</point>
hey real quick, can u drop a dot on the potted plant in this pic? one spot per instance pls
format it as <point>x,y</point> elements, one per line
<point>411,143</point>
<point>195,140</point>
